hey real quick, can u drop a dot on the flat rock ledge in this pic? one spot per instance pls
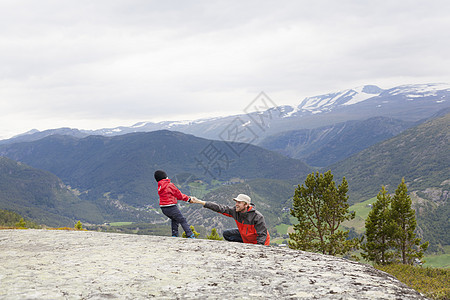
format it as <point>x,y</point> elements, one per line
<point>48,264</point>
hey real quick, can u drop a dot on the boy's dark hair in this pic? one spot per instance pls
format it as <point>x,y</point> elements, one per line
<point>159,175</point>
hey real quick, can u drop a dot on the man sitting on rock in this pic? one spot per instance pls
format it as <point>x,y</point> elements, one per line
<point>250,222</point>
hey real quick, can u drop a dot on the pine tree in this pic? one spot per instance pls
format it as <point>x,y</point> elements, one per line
<point>379,231</point>
<point>320,208</point>
<point>406,243</point>
<point>78,226</point>
<point>214,235</point>
<point>21,223</point>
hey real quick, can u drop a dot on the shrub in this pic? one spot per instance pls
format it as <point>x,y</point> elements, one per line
<point>21,223</point>
<point>214,235</point>
<point>79,226</point>
<point>432,282</point>
<point>193,230</point>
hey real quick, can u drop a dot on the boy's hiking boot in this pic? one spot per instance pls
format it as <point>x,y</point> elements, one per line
<point>192,236</point>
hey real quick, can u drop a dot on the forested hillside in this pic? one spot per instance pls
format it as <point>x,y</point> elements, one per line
<point>41,196</point>
<point>10,219</point>
<point>326,145</point>
<point>420,154</point>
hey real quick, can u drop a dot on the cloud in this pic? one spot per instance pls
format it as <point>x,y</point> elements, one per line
<point>127,61</point>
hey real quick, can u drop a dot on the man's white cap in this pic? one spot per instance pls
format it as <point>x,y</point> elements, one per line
<point>243,198</point>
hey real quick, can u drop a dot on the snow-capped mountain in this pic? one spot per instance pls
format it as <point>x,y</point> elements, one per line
<point>328,102</point>
<point>421,90</point>
<point>332,101</point>
<point>406,102</point>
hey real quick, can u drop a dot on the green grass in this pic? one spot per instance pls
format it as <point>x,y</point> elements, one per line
<point>277,241</point>
<point>120,223</point>
<point>437,261</point>
<point>432,282</point>
<point>362,211</point>
<point>282,228</point>
<point>200,189</point>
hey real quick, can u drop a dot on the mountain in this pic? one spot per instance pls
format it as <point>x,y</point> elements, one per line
<point>34,135</point>
<point>420,154</point>
<point>262,116</point>
<point>406,102</point>
<point>40,195</point>
<point>332,101</point>
<point>326,145</point>
<point>116,173</point>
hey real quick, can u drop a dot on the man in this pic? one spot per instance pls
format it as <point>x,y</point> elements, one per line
<point>251,225</point>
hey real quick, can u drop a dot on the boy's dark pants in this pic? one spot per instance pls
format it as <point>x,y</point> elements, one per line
<point>174,213</point>
<point>232,235</point>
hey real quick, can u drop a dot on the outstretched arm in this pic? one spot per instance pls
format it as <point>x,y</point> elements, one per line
<point>177,193</point>
<point>223,209</point>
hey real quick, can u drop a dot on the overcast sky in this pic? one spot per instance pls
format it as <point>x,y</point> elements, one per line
<point>96,64</point>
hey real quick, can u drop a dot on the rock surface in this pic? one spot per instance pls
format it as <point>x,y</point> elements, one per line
<point>46,264</point>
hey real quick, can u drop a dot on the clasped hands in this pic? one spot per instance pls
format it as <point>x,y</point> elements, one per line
<point>194,200</point>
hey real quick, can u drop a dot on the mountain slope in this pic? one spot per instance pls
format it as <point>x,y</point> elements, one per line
<point>116,173</point>
<point>420,154</point>
<point>41,196</point>
<point>326,145</point>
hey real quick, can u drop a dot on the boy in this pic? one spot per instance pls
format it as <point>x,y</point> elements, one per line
<point>169,195</point>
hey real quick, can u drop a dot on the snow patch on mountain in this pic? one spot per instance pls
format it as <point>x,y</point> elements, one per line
<point>178,123</point>
<point>327,102</point>
<point>360,95</point>
<point>419,90</point>
<point>292,111</point>
<point>139,124</point>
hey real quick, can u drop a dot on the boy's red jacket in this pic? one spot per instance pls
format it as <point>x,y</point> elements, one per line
<point>169,194</point>
<point>251,224</point>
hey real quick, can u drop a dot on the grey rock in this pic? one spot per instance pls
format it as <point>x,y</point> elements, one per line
<point>47,264</point>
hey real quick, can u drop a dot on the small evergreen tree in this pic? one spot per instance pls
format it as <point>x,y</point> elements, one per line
<point>79,226</point>
<point>379,231</point>
<point>214,235</point>
<point>21,223</point>
<point>320,207</point>
<point>193,231</point>
<point>406,242</point>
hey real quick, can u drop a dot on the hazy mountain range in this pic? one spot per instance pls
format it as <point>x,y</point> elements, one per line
<point>262,116</point>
